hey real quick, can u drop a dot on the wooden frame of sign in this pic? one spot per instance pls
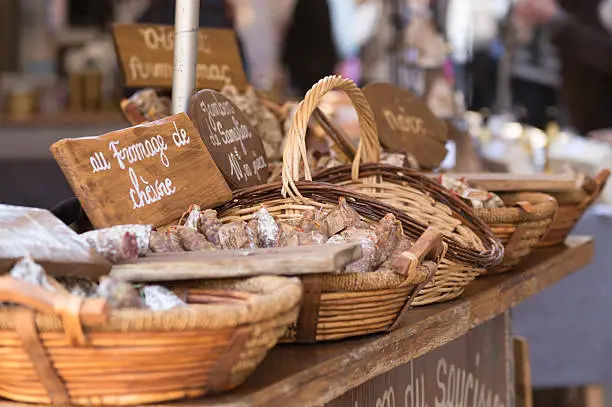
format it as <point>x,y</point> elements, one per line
<point>405,124</point>
<point>147,174</point>
<point>57,248</point>
<point>146,54</point>
<point>234,144</point>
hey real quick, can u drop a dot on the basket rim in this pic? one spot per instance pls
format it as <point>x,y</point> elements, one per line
<point>321,193</point>
<point>393,174</point>
<point>544,206</point>
<point>274,296</point>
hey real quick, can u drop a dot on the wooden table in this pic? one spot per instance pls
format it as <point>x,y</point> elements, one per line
<point>453,354</point>
<point>314,375</point>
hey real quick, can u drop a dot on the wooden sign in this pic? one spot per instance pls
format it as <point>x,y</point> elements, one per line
<point>146,55</point>
<point>473,370</point>
<point>406,124</point>
<point>287,261</point>
<point>40,235</point>
<point>147,174</point>
<point>233,143</point>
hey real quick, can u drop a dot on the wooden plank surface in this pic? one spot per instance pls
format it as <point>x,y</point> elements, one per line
<point>502,181</point>
<point>238,263</point>
<point>297,375</point>
<point>312,375</point>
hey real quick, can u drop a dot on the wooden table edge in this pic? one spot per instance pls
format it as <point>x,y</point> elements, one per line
<point>423,330</point>
<point>431,327</point>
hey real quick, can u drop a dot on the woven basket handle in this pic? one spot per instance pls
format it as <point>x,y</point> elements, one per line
<point>74,311</point>
<point>428,247</point>
<point>295,145</point>
<point>595,186</point>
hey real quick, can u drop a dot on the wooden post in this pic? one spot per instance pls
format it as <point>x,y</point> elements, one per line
<point>522,374</point>
<point>187,21</point>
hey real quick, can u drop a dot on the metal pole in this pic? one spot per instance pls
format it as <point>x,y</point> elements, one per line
<point>186,24</point>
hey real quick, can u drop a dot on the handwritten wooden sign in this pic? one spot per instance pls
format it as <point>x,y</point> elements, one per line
<point>147,174</point>
<point>233,143</point>
<point>473,370</point>
<point>406,124</point>
<point>37,233</point>
<point>146,55</point>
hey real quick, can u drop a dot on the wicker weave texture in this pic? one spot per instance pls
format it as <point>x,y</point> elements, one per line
<point>143,357</point>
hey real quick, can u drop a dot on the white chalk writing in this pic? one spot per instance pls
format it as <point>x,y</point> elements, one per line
<point>150,193</point>
<point>457,387</point>
<point>98,162</point>
<point>160,70</point>
<point>402,122</point>
<point>161,38</point>
<point>155,146</point>
<point>143,192</point>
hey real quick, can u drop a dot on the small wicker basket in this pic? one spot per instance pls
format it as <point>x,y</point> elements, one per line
<point>423,203</point>
<point>520,225</point>
<point>349,304</point>
<point>572,205</point>
<point>64,350</point>
<point>337,306</point>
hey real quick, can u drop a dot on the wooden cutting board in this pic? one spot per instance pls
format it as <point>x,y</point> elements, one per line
<point>290,261</point>
<point>500,182</point>
<point>147,174</point>
<point>56,247</point>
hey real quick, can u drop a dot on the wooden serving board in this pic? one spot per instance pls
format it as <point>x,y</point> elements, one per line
<point>290,261</point>
<point>146,54</point>
<point>500,182</point>
<point>147,174</point>
<point>42,236</point>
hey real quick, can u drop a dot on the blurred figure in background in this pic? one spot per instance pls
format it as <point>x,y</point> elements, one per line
<point>213,14</point>
<point>580,29</point>
<point>309,50</point>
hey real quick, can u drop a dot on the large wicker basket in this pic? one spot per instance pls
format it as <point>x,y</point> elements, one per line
<point>423,203</point>
<point>349,304</point>
<point>337,306</point>
<point>65,350</point>
<point>572,205</point>
<point>520,225</point>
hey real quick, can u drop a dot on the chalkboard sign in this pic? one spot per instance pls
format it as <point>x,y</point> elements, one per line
<point>146,55</point>
<point>406,124</point>
<point>37,233</point>
<point>147,174</point>
<point>473,370</point>
<point>233,143</point>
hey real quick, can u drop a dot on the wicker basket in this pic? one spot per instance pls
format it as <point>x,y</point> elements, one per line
<point>572,205</point>
<point>520,225</point>
<point>337,306</point>
<point>77,351</point>
<point>423,203</point>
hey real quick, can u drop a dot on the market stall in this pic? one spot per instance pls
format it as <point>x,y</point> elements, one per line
<point>226,249</point>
